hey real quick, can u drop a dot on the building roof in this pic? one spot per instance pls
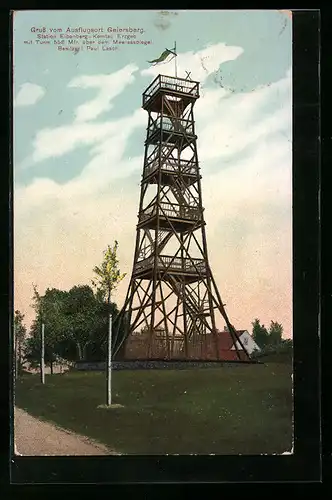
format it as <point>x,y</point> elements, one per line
<point>225,341</point>
<point>240,332</point>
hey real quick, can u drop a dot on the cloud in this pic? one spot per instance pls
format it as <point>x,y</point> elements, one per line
<point>245,120</point>
<point>109,86</point>
<point>201,63</point>
<point>55,142</point>
<point>29,94</point>
<point>58,141</point>
<point>248,212</point>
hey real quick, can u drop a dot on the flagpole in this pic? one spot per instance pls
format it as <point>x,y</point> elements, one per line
<point>176,69</point>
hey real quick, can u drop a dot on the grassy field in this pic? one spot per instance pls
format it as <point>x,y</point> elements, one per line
<point>227,410</point>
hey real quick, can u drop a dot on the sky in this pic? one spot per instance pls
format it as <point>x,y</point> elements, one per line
<point>79,133</point>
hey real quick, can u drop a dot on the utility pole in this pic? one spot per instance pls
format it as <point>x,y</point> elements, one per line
<point>108,276</point>
<point>109,362</point>
<point>42,355</point>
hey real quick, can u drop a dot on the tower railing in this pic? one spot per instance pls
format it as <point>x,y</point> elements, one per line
<point>163,262</point>
<point>172,83</point>
<point>172,210</point>
<point>179,125</point>
<point>171,165</point>
<point>163,148</point>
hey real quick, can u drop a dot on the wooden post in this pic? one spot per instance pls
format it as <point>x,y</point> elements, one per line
<point>42,355</point>
<point>109,363</point>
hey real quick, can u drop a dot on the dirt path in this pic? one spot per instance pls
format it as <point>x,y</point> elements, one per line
<point>35,437</point>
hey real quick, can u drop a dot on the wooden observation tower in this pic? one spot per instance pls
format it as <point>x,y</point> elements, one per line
<point>172,303</point>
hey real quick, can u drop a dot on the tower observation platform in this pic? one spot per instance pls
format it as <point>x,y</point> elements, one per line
<point>172,303</point>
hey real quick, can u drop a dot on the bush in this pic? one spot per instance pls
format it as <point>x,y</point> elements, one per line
<point>285,346</point>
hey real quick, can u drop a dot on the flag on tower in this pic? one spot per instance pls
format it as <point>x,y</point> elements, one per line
<point>166,56</point>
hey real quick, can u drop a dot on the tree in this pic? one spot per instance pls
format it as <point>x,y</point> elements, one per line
<point>275,333</point>
<point>48,309</point>
<point>53,304</point>
<point>108,276</point>
<point>19,336</point>
<point>83,315</point>
<point>33,346</point>
<point>75,325</point>
<point>259,333</point>
<point>287,343</point>
<point>96,349</point>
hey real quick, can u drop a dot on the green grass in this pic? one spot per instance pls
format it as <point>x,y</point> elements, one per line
<point>226,410</point>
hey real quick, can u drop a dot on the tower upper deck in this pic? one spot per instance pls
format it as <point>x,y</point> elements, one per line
<point>179,88</point>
